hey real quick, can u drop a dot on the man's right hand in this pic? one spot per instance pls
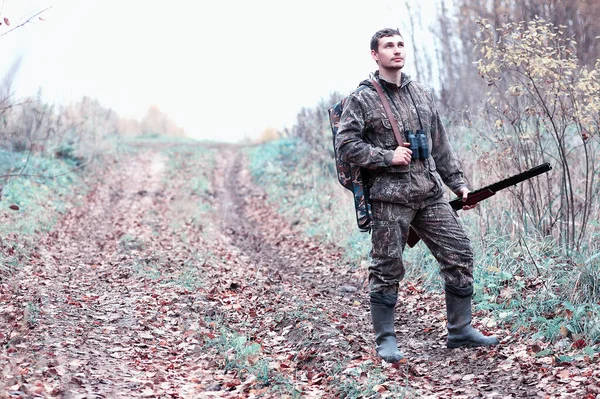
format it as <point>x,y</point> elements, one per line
<point>402,155</point>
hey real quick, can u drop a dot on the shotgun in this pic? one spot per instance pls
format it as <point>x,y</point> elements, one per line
<point>483,193</point>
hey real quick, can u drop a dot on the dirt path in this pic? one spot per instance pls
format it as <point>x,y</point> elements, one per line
<point>129,297</point>
<point>98,323</point>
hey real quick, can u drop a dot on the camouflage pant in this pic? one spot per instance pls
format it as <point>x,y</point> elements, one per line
<point>439,228</point>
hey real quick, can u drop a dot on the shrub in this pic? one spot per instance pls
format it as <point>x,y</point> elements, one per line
<point>542,106</point>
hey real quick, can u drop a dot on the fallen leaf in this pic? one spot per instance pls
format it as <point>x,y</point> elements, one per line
<point>579,344</point>
<point>563,374</point>
<point>379,388</point>
<point>535,348</point>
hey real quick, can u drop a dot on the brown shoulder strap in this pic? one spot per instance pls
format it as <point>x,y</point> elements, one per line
<point>388,111</point>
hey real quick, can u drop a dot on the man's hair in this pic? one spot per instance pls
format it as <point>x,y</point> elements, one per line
<point>387,32</point>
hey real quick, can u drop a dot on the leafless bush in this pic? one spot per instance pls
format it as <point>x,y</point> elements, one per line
<point>542,106</point>
<point>312,127</point>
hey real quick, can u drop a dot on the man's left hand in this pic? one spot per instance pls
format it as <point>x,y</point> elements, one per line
<point>465,193</point>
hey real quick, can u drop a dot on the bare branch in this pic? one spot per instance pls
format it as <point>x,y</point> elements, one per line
<point>28,20</point>
<point>48,176</point>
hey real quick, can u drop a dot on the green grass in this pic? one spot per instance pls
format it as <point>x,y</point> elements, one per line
<point>238,353</point>
<point>366,381</point>
<point>158,138</point>
<point>193,204</point>
<point>243,357</point>
<point>530,286</point>
<point>41,197</point>
<point>189,273</point>
<point>128,242</point>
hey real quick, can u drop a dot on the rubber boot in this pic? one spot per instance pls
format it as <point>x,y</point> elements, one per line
<point>382,315</point>
<point>460,331</point>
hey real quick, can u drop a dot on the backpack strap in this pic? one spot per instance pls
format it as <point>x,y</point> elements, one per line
<point>388,111</point>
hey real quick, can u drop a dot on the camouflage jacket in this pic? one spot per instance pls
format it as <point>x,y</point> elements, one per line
<point>365,138</point>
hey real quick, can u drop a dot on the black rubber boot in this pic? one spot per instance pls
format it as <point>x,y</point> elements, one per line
<point>460,331</point>
<point>382,315</point>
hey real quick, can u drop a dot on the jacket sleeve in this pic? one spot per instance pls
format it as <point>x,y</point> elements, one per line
<point>445,159</point>
<point>350,143</point>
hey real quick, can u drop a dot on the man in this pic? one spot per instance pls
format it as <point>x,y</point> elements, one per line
<point>405,192</point>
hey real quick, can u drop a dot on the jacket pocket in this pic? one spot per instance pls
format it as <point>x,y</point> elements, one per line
<point>435,175</point>
<point>399,169</point>
<point>391,187</point>
<point>389,141</point>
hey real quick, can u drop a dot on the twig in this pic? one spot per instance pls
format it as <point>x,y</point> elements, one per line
<point>46,176</point>
<point>26,161</point>
<point>25,22</point>
<point>524,245</point>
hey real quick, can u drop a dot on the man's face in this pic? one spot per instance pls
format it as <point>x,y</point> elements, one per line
<point>390,52</point>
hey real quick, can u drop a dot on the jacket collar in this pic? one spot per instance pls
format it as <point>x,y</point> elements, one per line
<point>405,80</point>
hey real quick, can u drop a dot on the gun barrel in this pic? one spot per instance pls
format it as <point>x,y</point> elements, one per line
<point>528,174</point>
<point>502,184</point>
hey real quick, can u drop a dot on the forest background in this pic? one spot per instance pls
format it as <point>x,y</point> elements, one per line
<point>519,85</point>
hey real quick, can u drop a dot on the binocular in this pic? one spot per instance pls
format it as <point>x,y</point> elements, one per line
<point>418,144</point>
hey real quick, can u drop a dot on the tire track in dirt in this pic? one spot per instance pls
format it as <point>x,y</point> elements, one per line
<point>254,226</point>
<point>100,305</point>
<point>308,275</point>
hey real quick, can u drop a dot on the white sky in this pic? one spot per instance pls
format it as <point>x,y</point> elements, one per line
<point>221,69</point>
